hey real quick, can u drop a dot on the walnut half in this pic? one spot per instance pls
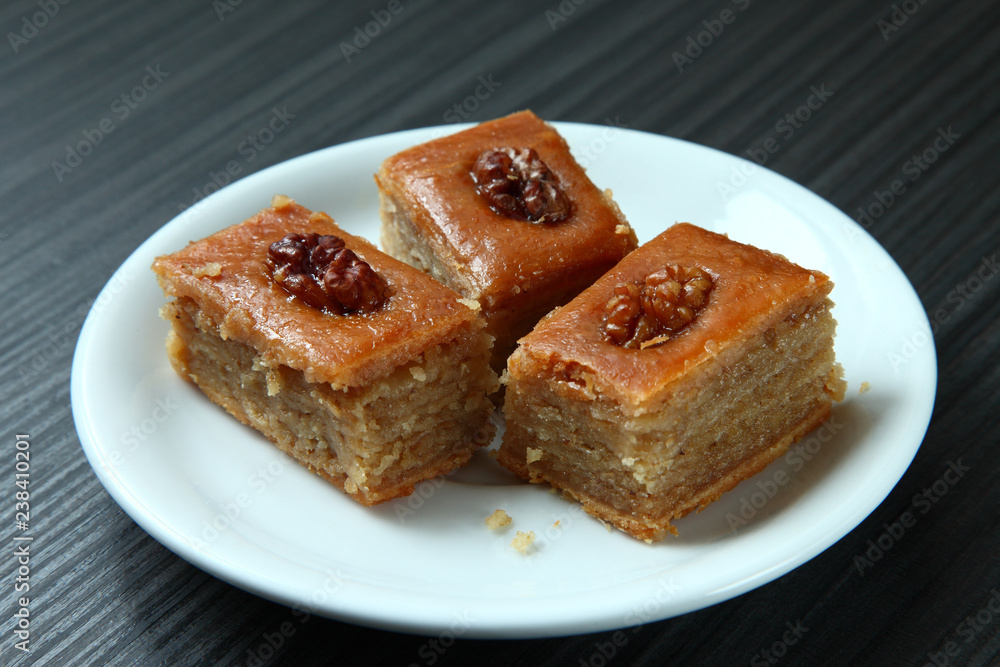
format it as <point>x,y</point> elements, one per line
<point>517,184</point>
<point>641,314</point>
<point>323,272</point>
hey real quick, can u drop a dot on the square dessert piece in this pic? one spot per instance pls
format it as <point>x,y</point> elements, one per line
<point>367,371</point>
<point>687,368</point>
<point>502,214</point>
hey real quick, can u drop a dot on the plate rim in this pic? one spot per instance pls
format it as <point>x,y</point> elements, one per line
<point>511,627</point>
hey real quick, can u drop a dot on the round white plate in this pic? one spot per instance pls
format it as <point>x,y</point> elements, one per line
<point>222,497</point>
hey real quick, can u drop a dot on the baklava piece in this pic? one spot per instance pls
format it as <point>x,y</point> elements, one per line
<point>362,368</point>
<point>686,369</point>
<point>503,214</point>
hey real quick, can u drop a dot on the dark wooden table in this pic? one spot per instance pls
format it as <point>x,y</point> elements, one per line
<point>115,116</point>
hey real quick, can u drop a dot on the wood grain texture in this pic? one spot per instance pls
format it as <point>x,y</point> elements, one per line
<point>105,593</point>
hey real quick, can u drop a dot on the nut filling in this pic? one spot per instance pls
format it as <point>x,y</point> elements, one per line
<point>325,274</point>
<point>642,314</point>
<point>517,184</point>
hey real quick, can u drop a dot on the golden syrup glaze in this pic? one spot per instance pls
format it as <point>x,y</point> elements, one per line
<point>343,350</point>
<point>753,289</point>
<point>503,260</point>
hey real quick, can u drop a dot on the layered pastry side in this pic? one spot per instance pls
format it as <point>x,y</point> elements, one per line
<point>687,368</point>
<point>365,370</point>
<point>503,214</point>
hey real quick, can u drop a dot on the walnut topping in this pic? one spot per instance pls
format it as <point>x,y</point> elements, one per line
<point>517,184</point>
<point>325,274</point>
<point>646,313</point>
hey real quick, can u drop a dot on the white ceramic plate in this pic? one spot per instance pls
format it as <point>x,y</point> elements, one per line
<point>219,495</point>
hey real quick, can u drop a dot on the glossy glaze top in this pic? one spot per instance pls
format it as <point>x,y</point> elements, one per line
<point>753,289</point>
<point>226,275</point>
<point>502,259</point>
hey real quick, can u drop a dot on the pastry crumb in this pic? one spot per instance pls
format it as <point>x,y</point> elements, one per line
<point>281,201</point>
<point>523,540</point>
<point>556,524</point>
<point>418,374</point>
<point>498,519</point>
<point>533,455</point>
<point>275,382</point>
<point>471,303</point>
<point>865,386</point>
<point>211,269</point>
